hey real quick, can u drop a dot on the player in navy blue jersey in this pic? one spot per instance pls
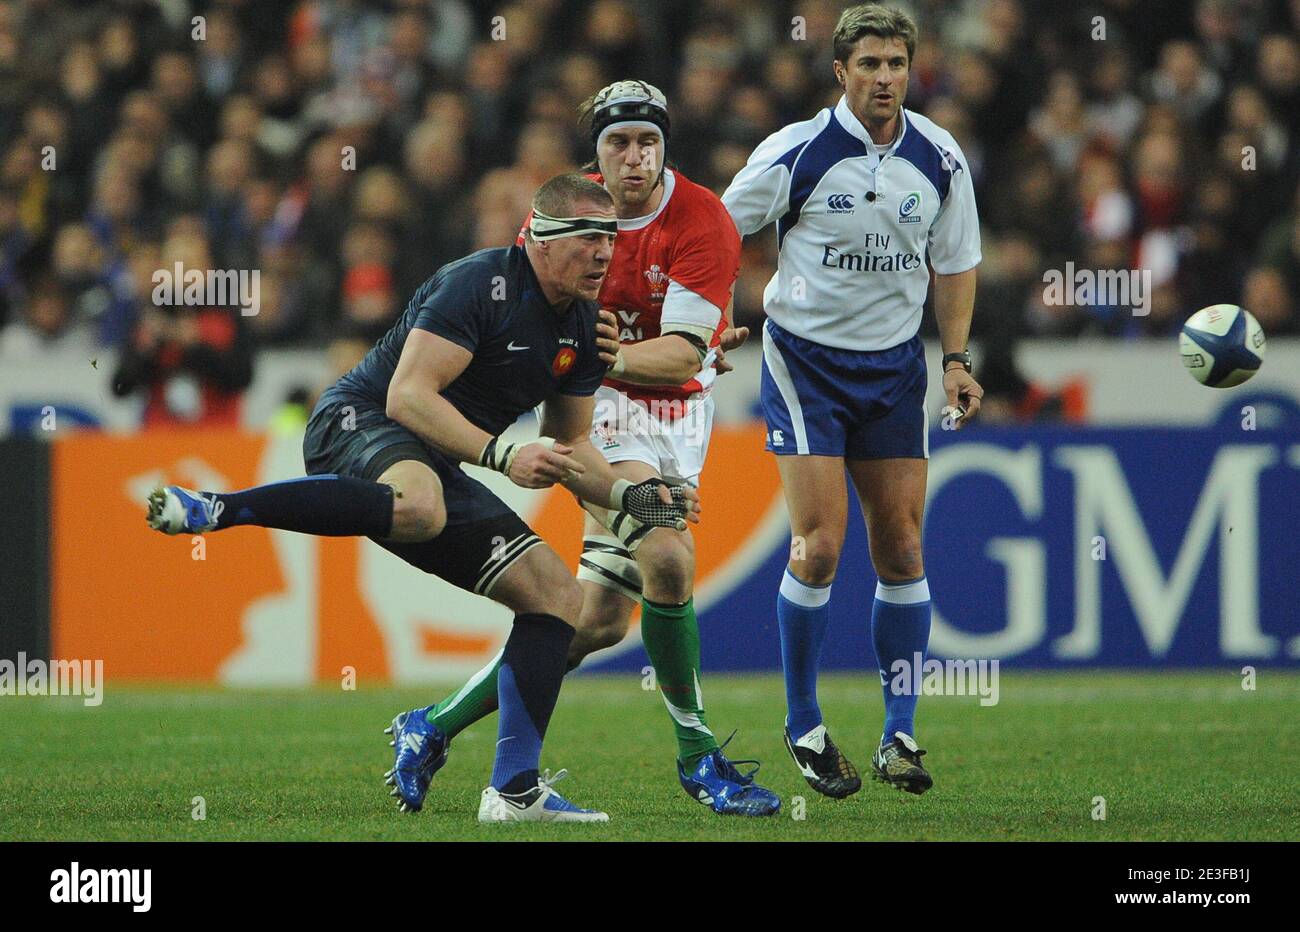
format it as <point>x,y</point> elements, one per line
<point>484,340</point>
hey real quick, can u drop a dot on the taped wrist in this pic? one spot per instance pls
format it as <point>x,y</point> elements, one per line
<point>498,455</point>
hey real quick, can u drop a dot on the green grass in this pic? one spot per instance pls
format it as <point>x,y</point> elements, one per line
<point>1186,756</point>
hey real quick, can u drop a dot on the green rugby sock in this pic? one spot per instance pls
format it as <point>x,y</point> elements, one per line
<point>475,700</point>
<point>671,635</point>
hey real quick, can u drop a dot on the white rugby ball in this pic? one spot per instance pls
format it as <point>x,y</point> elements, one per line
<point>1222,345</point>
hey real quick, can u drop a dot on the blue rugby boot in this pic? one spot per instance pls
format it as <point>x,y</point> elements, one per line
<point>715,782</point>
<point>174,510</point>
<point>420,750</point>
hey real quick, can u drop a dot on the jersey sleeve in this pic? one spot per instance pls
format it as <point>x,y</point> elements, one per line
<point>703,266</point>
<point>760,192</point>
<point>452,311</point>
<point>954,239</point>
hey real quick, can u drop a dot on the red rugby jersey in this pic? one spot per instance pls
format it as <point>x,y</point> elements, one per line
<point>690,240</point>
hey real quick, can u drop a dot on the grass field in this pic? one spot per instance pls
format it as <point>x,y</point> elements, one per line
<point>1186,756</point>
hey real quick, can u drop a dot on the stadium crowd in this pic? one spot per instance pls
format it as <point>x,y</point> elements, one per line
<point>345,149</point>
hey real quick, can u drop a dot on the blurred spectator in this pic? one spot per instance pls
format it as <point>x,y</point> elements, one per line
<point>347,149</point>
<point>1269,298</point>
<point>220,54</point>
<point>1011,398</point>
<point>505,195</point>
<point>192,362</point>
<point>370,302</point>
<point>290,419</point>
<point>46,322</point>
<point>1114,112</point>
<point>1060,125</point>
<point>1185,82</point>
<point>1278,70</point>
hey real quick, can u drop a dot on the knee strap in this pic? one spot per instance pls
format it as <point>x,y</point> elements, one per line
<point>606,562</point>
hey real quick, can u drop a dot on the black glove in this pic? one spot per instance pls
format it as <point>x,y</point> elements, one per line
<point>642,503</point>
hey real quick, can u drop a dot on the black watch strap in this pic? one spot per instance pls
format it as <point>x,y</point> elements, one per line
<point>963,357</point>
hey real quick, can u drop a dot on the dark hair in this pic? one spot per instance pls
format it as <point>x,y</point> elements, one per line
<point>871,19</point>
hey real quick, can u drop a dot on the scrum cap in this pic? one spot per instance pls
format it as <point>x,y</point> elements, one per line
<point>629,102</point>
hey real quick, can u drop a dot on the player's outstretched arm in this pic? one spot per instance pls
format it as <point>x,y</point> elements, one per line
<point>568,418</point>
<point>687,327</point>
<point>670,359</point>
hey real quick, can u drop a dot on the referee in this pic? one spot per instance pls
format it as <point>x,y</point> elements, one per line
<point>867,198</point>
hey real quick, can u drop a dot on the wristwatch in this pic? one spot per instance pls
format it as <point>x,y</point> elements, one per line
<point>963,357</point>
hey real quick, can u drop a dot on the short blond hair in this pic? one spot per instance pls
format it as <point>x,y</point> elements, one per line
<point>872,19</point>
<point>560,195</point>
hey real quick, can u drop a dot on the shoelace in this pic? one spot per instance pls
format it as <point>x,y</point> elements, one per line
<point>546,781</point>
<point>215,507</point>
<point>729,767</point>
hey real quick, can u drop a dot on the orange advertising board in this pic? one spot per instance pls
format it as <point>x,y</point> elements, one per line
<point>249,605</point>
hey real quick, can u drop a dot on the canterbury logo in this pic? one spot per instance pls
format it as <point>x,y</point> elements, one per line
<point>840,202</point>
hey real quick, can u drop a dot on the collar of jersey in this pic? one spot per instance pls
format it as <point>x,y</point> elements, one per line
<point>637,223</point>
<point>844,114</point>
<point>532,286</point>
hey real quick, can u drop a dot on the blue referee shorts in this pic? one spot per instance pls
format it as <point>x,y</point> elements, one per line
<point>859,404</point>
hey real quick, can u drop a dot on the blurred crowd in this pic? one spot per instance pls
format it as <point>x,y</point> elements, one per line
<point>346,149</point>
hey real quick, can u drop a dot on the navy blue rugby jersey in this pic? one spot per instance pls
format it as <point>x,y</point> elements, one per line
<point>524,350</point>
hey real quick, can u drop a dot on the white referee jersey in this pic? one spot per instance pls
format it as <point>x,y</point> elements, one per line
<point>854,225</point>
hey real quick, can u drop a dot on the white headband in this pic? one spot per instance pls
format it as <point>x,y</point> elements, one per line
<point>544,227</point>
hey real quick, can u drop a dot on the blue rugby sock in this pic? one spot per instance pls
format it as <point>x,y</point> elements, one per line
<point>325,505</point>
<point>900,630</point>
<point>533,665</point>
<point>802,612</point>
